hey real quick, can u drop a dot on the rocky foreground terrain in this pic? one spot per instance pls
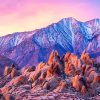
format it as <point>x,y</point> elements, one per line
<point>66,78</point>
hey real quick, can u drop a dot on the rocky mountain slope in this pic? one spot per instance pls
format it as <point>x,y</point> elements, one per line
<point>60,78</point>
<point>29,48</point>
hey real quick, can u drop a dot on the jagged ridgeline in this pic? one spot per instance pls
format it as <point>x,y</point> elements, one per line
<point>29,48</point>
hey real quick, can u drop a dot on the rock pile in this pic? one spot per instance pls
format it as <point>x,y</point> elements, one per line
<point>69,74</point>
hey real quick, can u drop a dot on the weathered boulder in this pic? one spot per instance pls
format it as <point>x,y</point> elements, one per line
<point>39,74</point>
<point>51,83</point>
<point>19,80</point>
<point>53,70</point>
<point>34,75</point>
<point>61,87</point>
<point>91,75</point>
<point>7,70</point>
<point>66,57</point>
<point>28,69</point>
<point>86,58</point>
<point>9,97</point>
<point>53,57</point>
<point>5,89</point>
<point>14,73</point>
<point>40,66</point>
<point>79,83</point>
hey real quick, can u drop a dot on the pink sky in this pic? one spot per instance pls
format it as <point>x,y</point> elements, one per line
<point>26,15</point>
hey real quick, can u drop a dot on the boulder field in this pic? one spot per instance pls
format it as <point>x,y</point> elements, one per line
<point>67,78</point>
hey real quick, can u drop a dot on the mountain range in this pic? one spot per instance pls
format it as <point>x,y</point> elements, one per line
<point>69,34</point>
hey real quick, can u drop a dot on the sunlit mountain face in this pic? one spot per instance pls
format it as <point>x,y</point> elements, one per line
<point>69,34</point>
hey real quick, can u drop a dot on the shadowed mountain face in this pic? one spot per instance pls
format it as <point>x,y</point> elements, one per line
<point>29,48</point>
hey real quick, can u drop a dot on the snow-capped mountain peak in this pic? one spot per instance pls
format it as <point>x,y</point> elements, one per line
<point>29,48</point>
